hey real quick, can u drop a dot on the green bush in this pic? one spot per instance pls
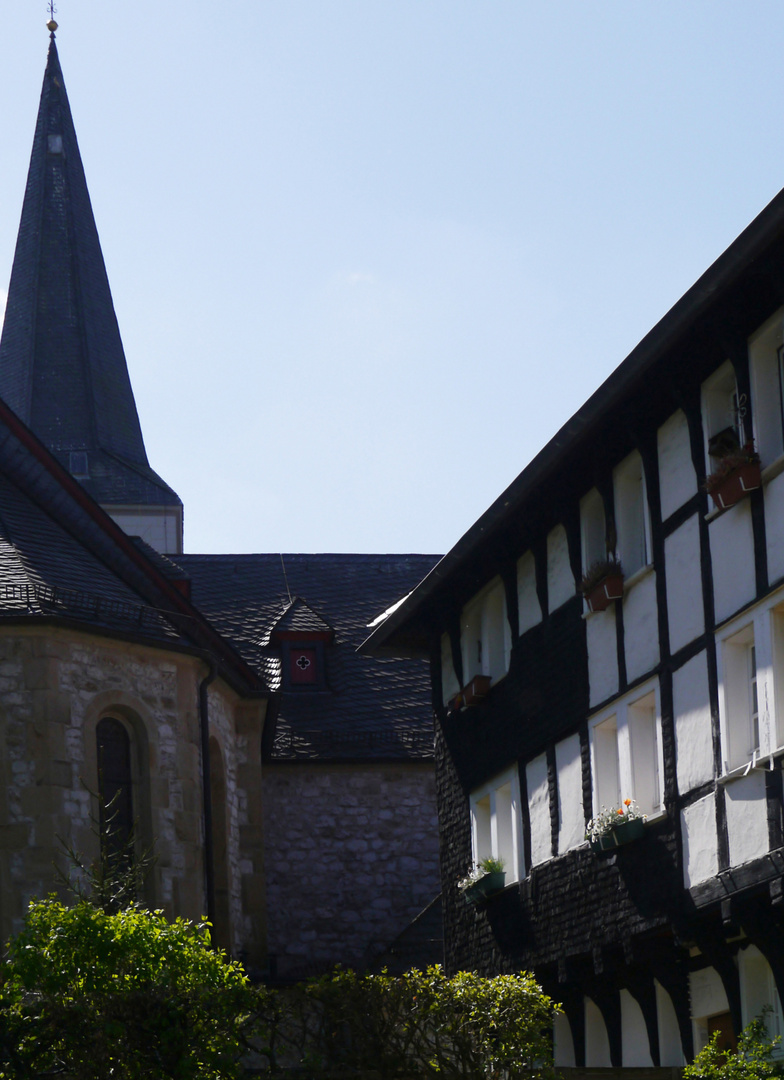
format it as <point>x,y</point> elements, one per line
<point>753,1059</point>
<point>422,1024</point>
<point>129,995</point>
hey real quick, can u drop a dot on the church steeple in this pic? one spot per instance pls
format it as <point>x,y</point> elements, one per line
<point>62,364</point>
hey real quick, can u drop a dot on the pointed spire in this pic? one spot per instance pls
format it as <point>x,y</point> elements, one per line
<point>62,364</point>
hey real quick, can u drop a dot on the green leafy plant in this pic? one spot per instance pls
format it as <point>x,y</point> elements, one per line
<point>125,996</point>
<point>490,865</point>
<point>753,1060</point>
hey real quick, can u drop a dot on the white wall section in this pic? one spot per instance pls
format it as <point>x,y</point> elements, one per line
<point>641,627</point>
<point>539,809</point>
<point>747,818</point>
<point>677,478</point>
<point>570,793</point>
<point>602,646</point>
<point>693,737</point>
<point>698,829</point>
<point>732,555</point>
<point>685,614</point>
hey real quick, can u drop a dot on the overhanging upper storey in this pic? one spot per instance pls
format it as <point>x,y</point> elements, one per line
<point>62,364</point>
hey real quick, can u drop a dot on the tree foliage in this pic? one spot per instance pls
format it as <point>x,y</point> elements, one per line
<point>753,1060</point>
<point>423,1024</point>
<point>125,995</point>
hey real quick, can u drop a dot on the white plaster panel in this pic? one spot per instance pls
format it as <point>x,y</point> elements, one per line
<point>677,478</point>
<point>774,527</point>
<point>670,1046</point>
<point>560,582</point>
<point>685,615</point>
<point>635,1050</point>
<point>602,655</point>
<point>693,736</point>
<point>539,809</point>
<point>528,609</point>
<point>641,627</point>
<point>563,1043</point>
<point>732,555</point>
<point>707,993</point>
<point>698,828</point>
<point>570,793</point>
<point>747,818</point>
<point>597,1045</point>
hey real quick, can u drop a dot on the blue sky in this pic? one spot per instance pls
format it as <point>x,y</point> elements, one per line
<point>368,257</point>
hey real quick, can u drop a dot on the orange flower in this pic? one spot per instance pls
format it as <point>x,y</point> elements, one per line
<point>619,811</point>
<point>627,802</point>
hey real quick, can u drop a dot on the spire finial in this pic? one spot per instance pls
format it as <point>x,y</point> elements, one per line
<point>51,26</point>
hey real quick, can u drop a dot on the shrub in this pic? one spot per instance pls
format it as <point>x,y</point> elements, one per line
<point>423,1024</point>
<point>126,995</point>
<point>753,1059</point>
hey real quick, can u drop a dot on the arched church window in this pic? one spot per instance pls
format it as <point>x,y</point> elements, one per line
<point>115,786</point>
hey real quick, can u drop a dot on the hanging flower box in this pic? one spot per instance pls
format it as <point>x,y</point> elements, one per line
<point>483,880</point>
<point>477,689</point>
<point>736,475</point>
<point>615,828</point>
<point>603,583</point>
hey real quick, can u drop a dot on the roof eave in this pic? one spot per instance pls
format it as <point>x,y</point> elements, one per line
<point>405,631</point>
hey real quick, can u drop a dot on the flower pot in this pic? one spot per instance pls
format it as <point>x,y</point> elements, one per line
<point>476,690</point>
<point>603,843</point>
<point>608,589</point>
<point>485,886</point>
<point>628,831</point>
<point>736,485</point>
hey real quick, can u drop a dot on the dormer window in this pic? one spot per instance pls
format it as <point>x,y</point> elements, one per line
<point>303,665</point>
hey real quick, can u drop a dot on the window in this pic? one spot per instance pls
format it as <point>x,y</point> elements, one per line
<point>741,698</point>
<point>766,363</point>
<point>486,639</point>
<point>496,828</point>
<point>604,764</point>
<point>592,529</point>
<point>115,787</point>
<point>303,665</point>
<point>626,753</point>
<point>723,411</point>
<point>632,522</point>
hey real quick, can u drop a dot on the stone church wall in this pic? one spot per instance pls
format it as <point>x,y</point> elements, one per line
<point>55,686</point>
<point>351,855</point>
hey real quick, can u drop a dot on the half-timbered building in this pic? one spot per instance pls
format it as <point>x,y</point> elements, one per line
<point>668,689</point>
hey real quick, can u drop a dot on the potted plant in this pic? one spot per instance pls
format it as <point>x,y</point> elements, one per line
<point>737,473</point>
<point>482,880</point>
<point>603,583</point>
<point>615,827</point>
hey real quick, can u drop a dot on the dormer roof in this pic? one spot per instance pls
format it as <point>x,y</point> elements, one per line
<point>62,364</point>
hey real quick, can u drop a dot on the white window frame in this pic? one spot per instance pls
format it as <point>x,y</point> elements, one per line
<point>496,822</point>
<point>479,641</point>
<point>763,627</point>
<point>631,756</point>
<point>632,516</point>
<point>766,367</point>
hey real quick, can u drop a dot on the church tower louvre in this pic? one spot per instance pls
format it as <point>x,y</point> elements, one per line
<point>62,363</point>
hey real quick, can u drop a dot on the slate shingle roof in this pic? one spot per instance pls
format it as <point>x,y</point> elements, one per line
<point>373,709</point>
<point>62,365</point>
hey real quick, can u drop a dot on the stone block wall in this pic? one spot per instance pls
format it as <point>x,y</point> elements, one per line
<point>55,685</point>
<point>351,857</point>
